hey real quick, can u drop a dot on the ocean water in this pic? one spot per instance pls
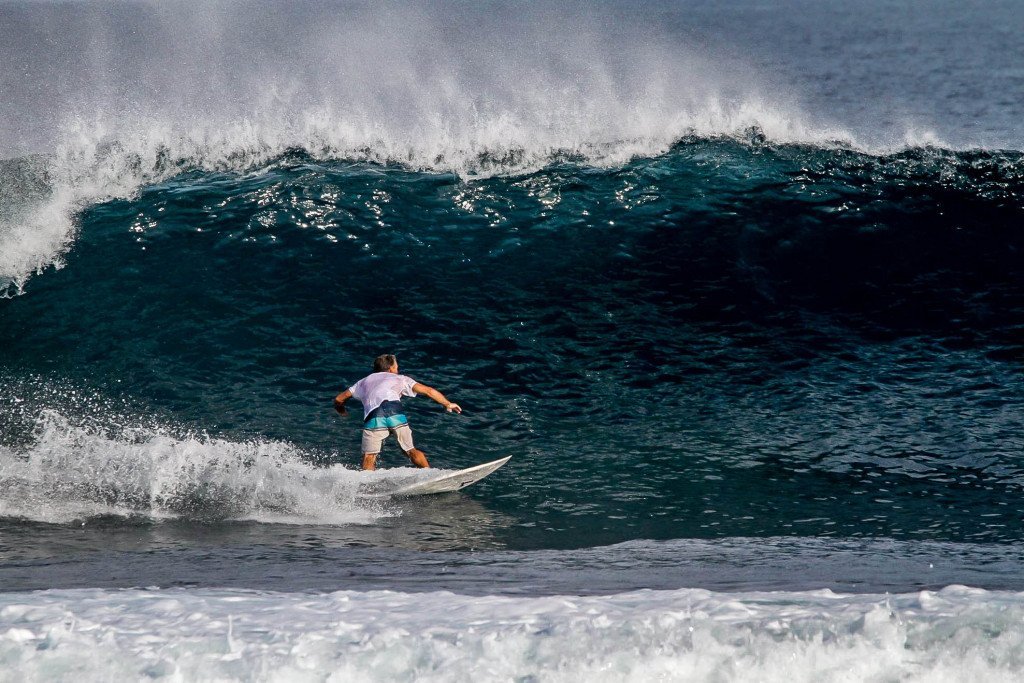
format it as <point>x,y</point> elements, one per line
<point>739,287</point>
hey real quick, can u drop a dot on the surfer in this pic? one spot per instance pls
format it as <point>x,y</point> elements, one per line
<point>381,395</point>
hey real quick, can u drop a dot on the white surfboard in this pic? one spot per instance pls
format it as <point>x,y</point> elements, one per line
<point>453,481</point>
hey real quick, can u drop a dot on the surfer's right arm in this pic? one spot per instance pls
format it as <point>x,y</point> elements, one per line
<point>437,396</point>
<point>339,402</point>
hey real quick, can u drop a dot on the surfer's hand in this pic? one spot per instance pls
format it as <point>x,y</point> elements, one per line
<point>342,410</point>
<point>453,408</point>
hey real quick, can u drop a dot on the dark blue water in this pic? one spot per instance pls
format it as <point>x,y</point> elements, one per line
<point>757,276</point>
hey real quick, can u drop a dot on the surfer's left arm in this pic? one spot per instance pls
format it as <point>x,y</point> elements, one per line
<point>436,396</point>
<point>339,402</point>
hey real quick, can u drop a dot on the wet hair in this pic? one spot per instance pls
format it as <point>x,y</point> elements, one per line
<point>383,362</point>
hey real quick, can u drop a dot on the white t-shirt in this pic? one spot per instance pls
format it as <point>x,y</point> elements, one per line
<point>374,389</point>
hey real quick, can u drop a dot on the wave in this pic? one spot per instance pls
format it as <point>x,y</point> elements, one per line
<point>66,472</point>
<point>440,88</point>
<point>425,87</point>
<point>954,634</point>
<point>96,162</point>
<point>42,197</point>
<point>803,221</point>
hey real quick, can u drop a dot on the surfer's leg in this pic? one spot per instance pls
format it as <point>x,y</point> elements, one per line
<point>418,457</point>
<point>404,436</point>
<point>372,440</point>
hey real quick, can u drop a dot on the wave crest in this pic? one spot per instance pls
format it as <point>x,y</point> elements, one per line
<point>96,161</point>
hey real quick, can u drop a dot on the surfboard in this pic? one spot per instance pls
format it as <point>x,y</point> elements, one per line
<point>453,481</point>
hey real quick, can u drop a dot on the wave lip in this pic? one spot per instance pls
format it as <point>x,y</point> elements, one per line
<point>957,633</point>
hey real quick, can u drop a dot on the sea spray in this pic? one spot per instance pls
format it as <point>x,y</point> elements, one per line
<point>70,472</point>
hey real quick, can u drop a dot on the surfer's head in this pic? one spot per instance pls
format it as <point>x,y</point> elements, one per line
<point>385,362</point>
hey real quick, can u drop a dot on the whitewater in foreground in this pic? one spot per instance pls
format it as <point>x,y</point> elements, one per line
<point>955,634</point>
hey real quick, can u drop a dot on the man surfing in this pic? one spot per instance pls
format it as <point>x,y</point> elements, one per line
<point>381,395</point>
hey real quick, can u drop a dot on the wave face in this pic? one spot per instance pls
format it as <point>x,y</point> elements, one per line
<point>954,634</point>
<point>731,338</point>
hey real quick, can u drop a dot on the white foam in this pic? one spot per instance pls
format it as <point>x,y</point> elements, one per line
<point>71,472</point>
<point>955,634</point>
